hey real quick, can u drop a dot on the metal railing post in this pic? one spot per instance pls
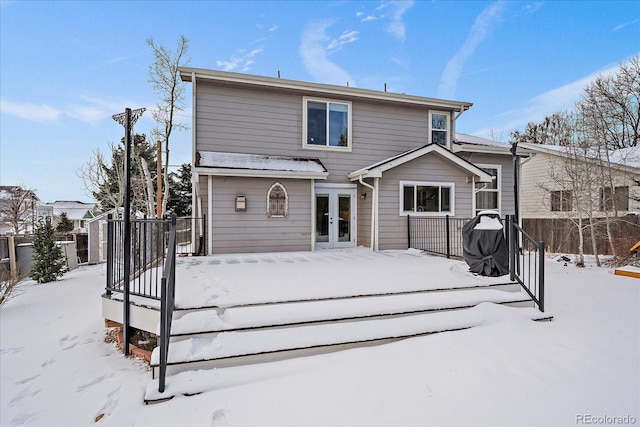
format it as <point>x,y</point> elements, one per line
<point>409,231</point>
<point>512,248</point>
<point>448,237</point>
<point>541,278</point>
<point>110,244</point>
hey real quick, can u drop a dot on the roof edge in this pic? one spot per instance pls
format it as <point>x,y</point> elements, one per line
<point>187,74</point>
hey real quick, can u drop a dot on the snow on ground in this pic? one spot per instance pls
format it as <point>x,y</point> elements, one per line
<point>56,369</point>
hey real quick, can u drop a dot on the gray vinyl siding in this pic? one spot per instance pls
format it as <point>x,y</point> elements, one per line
<point>253,231</point>
<point>363,234</point>
<point>254,122</point>
<point>507,204</point>
<point>269,122</point>
<point>430,168</point>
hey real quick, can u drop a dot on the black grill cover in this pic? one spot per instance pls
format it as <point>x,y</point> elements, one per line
<point>485,251</point>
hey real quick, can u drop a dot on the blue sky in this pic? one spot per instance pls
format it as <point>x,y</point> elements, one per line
<point>67,67</point>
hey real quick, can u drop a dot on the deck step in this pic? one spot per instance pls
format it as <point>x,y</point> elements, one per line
<point>323,311</point>
<point>260,346</point>
<point>239,347</point>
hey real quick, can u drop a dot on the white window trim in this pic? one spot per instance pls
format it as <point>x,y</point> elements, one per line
<point>445,113</point>
<point>499,189</point>
<point>306,146</point>
<point>450,185</point>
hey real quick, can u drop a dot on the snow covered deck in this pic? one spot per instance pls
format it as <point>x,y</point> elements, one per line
<point>249,279</point>
<point>253,308</point>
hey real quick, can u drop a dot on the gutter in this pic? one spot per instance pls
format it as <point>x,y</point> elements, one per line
<point>373,211</point>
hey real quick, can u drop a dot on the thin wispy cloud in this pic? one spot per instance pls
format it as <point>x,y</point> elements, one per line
<point>392,12</point>
<point>626,24</point>
<point>483,26</point>
<point>535,109</point>
<point>33,112</point>
<point>396,26</point>
<point>242,61</point>
<point>345,38</point>
<point>89,110</point>
<point>533,7</point>
<point>313,51</point>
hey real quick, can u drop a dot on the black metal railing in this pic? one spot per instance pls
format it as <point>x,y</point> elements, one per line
<point>190,235</point>
<point>441,236</point>
<point>526,262</point>
<point>146,257</point>
<point>167,303</point>
<point>149,239</point>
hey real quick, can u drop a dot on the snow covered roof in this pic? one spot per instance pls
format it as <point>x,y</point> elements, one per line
<point>375,170</point>
<point>624,157</point>
<point>75,210</point>
<point>258,165</point>
<point>465,142</point>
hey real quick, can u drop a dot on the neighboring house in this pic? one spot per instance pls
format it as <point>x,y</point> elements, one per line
<point>284,165</point>
<point>547,192</point>
<point>17,210</point>
<point>78,212</point>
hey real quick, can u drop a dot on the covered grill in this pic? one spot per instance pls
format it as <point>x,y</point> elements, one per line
<point>484,246</point>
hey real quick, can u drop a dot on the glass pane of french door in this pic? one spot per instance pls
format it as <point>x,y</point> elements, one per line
<point>322,218</point>
<point>344,218</point>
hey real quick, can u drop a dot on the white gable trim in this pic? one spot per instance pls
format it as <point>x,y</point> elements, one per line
<point>376,170</point>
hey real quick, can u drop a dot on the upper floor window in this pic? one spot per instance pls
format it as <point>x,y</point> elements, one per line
<point>277,201</point>
<point>439,128</point>
<point>327,124</point>
<point>618,199</point>
<point>426,198</point>
<point>488,193</point>
<point>561,201</point>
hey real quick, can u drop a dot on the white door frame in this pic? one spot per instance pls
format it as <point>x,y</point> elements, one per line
<point>334,191</point>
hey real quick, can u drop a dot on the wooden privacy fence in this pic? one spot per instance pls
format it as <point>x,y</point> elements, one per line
<point>561,234</point>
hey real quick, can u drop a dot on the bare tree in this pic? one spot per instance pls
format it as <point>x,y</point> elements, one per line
<point>17,207</point>
<point>164,76</point>
<point>610,114</point>
<point>104,178</point>
<point>610,106</point>
<point>98,173</point>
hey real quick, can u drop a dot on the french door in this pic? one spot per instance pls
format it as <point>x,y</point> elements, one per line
<point>335,217</point>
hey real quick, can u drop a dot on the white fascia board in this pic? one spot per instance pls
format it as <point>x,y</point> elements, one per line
<point>251,173</point>
<point>188,74</point>
<point>377,171</point>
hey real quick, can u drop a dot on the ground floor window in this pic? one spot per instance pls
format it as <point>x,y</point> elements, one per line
<point>426,198</point>
<point>561,201</point>
<point>488,193</point>
<point>617,199</point>
<point>277,201</point>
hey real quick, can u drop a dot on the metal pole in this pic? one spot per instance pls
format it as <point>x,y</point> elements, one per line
<point>514,149</point>
<point>127,230</point>
<point>159,180</point>
<point>126,120</point>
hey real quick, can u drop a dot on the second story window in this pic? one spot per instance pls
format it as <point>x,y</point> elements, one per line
<point>439,128</point>
<point>327,124</point>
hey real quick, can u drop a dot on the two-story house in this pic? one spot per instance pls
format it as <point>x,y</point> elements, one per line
<point>556,178</point>
<point>284,165</point>
<point>17,210</point>
<point>77,212</point>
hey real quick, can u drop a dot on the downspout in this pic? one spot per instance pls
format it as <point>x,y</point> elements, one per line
<point>455,117</point>
<point>375,198</point>
<point>373,209</point>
